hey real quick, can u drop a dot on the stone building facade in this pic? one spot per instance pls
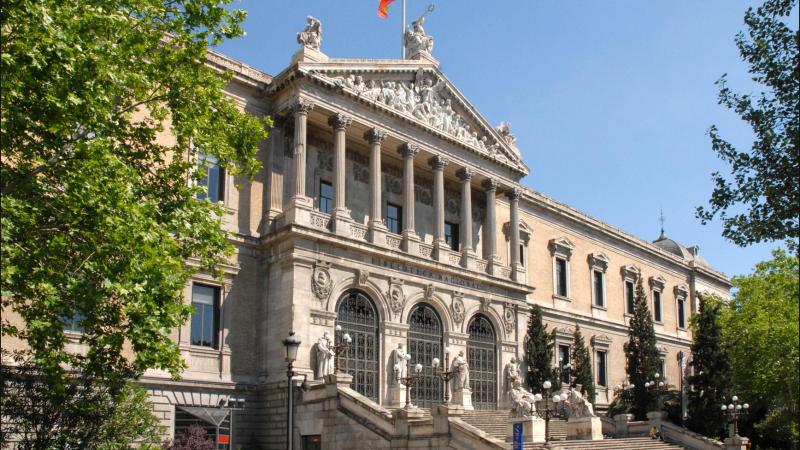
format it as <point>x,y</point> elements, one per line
<point>389,206</point>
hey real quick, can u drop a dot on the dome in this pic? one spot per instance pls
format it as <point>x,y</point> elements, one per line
<point>667,244</point>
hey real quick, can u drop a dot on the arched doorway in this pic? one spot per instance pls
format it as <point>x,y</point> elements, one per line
<point>356,314</point>
<point>482,360</point>
<point>424,344</point>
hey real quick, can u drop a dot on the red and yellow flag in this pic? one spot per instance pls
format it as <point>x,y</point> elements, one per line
<point>383,8</point>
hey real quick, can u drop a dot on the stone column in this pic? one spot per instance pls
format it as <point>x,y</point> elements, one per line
<point>517,271</point>
<point>377,229</point>
<point>467,254</point>
<point>490,227</point>
<point>438,163</point>
<point>340,216</point>
<point>299,207</point>
<point>410,238</point>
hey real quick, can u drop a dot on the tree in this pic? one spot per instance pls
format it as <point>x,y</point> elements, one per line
<point>581,365</point>
<point>761,331</point>
<point>641,353</point>
<point>194,438</point>
<point>710,382</point>
<point>765,181</point>
<point>538,351</point>
<point>99,222</point>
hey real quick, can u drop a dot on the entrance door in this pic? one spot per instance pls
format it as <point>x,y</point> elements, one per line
<point>424,344</point>
<point>482,360</point>
<point>357,315</point>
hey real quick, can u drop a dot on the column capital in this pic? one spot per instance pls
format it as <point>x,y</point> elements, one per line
<point>301,106</point>
<point>438,162</point>
<point>514,194</point>
<point>339,121</point>
<point>465,174</point>
<point>490,184</point>
<point>408,150</point>
<point>375,135</point>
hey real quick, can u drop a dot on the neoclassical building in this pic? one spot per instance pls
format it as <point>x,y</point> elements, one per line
<point>388,206</point>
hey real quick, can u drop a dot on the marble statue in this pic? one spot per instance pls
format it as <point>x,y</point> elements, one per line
<point>311,36</point>
<point>461,369</point>
<point>577,406</point>
<point>417,41</point>
<point>397,360</point>
<point>505,131</point>
<point>325,355</point>
<point>522,402</point>
<point>513,377</point>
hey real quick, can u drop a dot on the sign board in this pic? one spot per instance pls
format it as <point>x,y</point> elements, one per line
<point>519,441</point>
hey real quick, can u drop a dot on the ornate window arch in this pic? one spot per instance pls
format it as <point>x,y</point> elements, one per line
<point>425,342</point>
<point>357,315</point>
<point>482,360</point>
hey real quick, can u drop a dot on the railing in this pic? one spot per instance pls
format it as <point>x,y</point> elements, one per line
<point>320,220</point>
<point>425,250</point>
<point>481,265</point>
<point>393,241</point>
<point>358,231</point>
<point>454,258</point>
<point>505,272</point>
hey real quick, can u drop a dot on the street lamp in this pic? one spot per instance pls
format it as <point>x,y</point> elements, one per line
<point>409,379</point>
<point>552,406</point>
<point>733,411</point>
<point>341,342</point>
<point>292,344</point>
<point>444,373</point>
<point>658,387</point>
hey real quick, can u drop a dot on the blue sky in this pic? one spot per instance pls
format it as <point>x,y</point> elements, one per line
<point>610,101</point>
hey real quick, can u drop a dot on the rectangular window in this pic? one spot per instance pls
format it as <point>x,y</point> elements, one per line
<point>657,306</point>
<point>394,218</point>
<point>219,431</point>
<point>681,313</point>
<point>663,369</point>
<point>451,235</point>
<point>561,277</point>
<point>601,369</point>
<point>72,323</point>
<point>629,296</point>
<point>563,363</point>
<point>325,197</point>
<point>312,442</point>
<point>599,300</point>
<point>213,179</point>
<point>522,254</point>
<point>205,318</point>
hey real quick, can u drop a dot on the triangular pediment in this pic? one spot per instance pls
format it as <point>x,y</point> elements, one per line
<point>419,92</point>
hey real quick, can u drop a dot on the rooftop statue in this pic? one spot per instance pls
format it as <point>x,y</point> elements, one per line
<point>311,36</point>
<point>416,39</point>
<point>505,130</point>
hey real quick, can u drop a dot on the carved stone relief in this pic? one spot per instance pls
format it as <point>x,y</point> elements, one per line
<point>508,318</point>
<point>361,277</point>
<point>397,298</point>
<point>321,282</point>
<point>429,291</point>
<point>457,307</point>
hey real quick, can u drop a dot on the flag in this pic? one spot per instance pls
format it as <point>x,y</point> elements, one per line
<point>383,8</point>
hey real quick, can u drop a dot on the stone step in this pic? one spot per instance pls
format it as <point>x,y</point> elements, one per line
<point>614,444</point>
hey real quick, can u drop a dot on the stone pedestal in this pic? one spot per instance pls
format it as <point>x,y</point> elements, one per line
<point>468,259</point>
<point>298,211</point>
<point>655,418</point>
<point>377,233</point>
<point>533,429</point>
<point>621,425</point>
<point>494,266</point>
<point>340,222</point>
<point>410,242</point>
<point>441,413</point>
<point>736,443</point>
<point>306,54</point>
<point>404,416</point>
<point>463,398</point>
<point>585,428</point>
<point>397,397</point>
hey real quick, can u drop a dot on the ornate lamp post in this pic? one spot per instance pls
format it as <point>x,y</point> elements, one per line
<point>292,344</point>
<point>733,411</point>
<point>341,342</point>
<point>552,406</point>
<point>658,387</point>
<point>410,378</point>
<point>444,373</point>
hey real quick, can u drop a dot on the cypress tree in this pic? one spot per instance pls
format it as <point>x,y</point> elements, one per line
<point>641,353</point>
<point>711,371</point>
<point>538,352</point>
<point>581,365</point>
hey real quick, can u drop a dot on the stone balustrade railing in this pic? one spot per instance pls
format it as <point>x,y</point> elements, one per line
<point>358,231</point>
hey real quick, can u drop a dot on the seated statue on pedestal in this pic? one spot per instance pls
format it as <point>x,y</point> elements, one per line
<point>577,406</point>
<point>311,36</point>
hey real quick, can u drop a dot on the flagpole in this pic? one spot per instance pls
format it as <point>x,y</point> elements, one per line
<point>403,31</point>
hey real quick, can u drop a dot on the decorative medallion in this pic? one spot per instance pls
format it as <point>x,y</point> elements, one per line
<point>429,291</point>
<point>361,277</point>
<point>397,298</point>
<point>457,307</point>
<point>508,318</point>
<point>321,282</point>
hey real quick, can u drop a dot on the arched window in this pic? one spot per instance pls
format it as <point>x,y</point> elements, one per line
<point>424,344</point>
<point>356,314</point>
<point>482,360</point>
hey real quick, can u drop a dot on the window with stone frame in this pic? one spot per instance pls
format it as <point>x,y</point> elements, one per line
<point>525,234</point>
<point>630,274</point>
<point>72,323</point>
<point>681,294</point>
<point>598,264</point>
<point>561,277</point>
<point>451,236</point>
<point>564,365</point>
<point>682,313</point>
<point>394,218</point>
<point>325,197</point>
<point>601,370</point>
<point>212,179</point>
<point>204,330</point>
<point>657,284</point>
<point>216,422</point>
<point>561,250</point>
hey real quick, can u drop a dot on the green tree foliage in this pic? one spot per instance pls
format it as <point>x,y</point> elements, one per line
<point>641,353</point>
<point>581,361</point>
<point>764,180</point>
<point>98,217</point>
<point>538,352</point>
<point>761,331</point>
<point>710,382</point>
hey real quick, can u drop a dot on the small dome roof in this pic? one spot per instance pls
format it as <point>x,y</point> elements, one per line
<point>667,244</point>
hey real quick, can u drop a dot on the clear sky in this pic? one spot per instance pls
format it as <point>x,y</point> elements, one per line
<point>610,100</point>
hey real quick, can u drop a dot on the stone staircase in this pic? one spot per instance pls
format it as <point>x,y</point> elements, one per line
<point>495,424</point>
<point>636,443</point>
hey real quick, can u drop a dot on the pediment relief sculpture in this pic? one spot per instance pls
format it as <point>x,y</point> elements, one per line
<point>657,282</point>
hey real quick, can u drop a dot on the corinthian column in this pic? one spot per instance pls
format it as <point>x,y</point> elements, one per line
<point>468,255</point>
<point>516,268</point>
<point>410,238</point>
<point>438,163</point>
<point>376,226</point>
<point>340,216</point>
<point>490,226</point>
<point>299,206</point>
